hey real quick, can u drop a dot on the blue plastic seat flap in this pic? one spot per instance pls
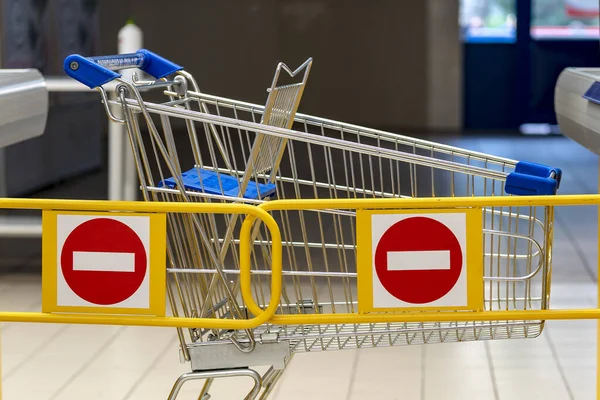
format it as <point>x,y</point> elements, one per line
<point>211,182</point>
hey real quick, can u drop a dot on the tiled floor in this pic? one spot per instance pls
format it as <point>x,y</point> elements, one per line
<point>93,363</point>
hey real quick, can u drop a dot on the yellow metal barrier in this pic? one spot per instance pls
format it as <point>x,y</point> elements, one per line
<point>156,207</point>
<point>426,203</point>
<point>262,213</point>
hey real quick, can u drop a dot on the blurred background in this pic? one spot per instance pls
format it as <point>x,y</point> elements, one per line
<point>478,74</point>
<point>410,66</point>
<point>515,50</point>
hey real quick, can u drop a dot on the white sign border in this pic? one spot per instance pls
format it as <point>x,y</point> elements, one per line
<point>456,297</point>
<point>65,297</point>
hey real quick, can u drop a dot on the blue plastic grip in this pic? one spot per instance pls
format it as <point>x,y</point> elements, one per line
<point>97,71</point>
<point>158,66</point>
<point>530,179</point>
<point>88,72</point>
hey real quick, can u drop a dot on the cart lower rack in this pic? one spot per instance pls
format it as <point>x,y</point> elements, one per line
<point>346,252</point>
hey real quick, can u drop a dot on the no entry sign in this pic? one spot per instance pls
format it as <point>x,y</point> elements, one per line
<point>429,260</point>
<point>104,263</point>
<point>105,253</point>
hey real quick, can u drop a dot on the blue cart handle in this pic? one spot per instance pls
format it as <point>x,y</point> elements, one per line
<point>97,71</point>
<point>531,179</point>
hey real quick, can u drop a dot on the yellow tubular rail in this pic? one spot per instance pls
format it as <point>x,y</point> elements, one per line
<point>261,213</point>
<point>433,202</point>
<point>157,207</point>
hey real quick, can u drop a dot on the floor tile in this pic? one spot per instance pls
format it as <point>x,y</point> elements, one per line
<point>122,363</point>
<point>392,374</point>
<point>59,361</point>
<point>541,382</point>
<point>458,383</point>
<point>321,375</point>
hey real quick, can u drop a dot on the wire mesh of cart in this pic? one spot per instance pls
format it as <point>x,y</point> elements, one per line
<point>249,153</point>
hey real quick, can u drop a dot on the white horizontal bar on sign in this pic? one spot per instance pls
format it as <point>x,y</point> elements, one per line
<point>103,261</point>
<point>418,260</point>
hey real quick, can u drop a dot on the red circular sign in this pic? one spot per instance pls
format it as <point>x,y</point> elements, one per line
<point>103,235</point>
<point>418,286</point>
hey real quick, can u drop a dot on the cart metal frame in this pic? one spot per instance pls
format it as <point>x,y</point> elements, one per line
<point>247,155</point>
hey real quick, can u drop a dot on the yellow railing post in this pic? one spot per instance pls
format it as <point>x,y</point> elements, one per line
<point>598,293</point>
<point>0,363</point>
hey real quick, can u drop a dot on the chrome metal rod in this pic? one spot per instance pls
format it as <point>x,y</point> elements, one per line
<point>20,227</point>
<point>325,274</point>
<point>263,272</point>
<point>370,331</point>
<point>317,140</point>
<point>420,143</point>
<point>250,373</point>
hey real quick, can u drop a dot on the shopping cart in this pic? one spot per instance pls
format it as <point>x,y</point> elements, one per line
<point>248,153</point>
